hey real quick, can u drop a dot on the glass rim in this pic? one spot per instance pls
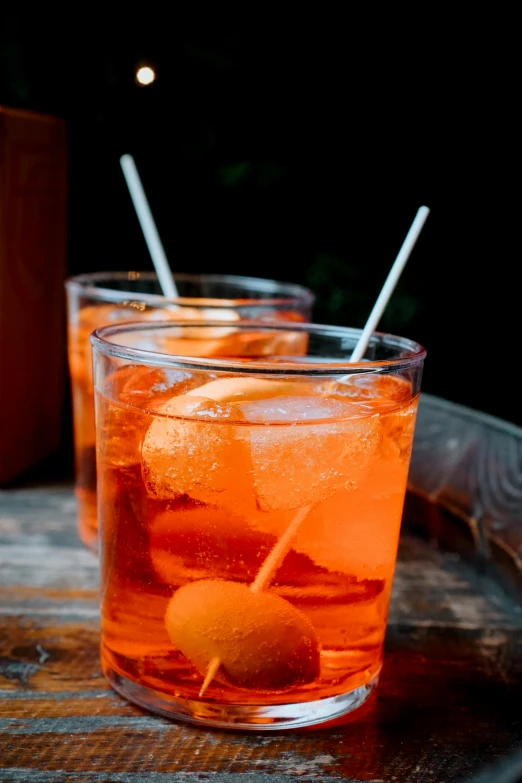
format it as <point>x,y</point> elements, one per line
<point>414,354</point>
<point>278,292</point>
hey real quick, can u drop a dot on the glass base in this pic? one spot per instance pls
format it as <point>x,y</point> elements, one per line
<point>260,717</point>
<point>87,524</point>
<point>89,538</point>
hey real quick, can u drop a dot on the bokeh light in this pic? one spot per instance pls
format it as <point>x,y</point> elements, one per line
<point>145,75</point>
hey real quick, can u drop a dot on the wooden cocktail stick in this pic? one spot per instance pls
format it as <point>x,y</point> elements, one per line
<point>264,577</point>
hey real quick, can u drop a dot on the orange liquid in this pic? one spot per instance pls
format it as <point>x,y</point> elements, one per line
<point>80,367</point>
<point>169,520</point>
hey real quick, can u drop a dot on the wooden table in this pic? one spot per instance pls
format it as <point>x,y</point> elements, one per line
<point>449,699</point>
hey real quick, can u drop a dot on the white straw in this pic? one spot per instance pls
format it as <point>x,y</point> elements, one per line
<point>148,226</point>
<point>391,282</point>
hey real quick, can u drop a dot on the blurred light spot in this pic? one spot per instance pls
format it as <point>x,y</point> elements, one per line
<point>145,75</point>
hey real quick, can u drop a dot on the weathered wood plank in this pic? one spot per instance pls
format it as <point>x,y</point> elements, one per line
<point>39,514</point>
<point>45,656</point>
<point>24,775</point>
<point>41,566</point>
<point>411,726</point>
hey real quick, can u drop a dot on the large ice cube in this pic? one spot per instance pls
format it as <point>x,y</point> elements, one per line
<point>196,340</point>
<point>121,425</point>
<point>205,314</point>
<point>207,460</point>
<point>264,343</point>
<point>248,388</point>
<point>94,316</point>
<point>352,532</point>
<point>189,542</point>
<point>307,448</point>
<point>228,340</point>
<point>143,387</point>
<point>354,536</point>
<point>373,388</point>
<point>302,449</point>
<point>120,434</point>
<point>192,450</point>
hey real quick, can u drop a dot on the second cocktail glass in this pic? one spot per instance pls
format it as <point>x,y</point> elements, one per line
<point>95,300</point>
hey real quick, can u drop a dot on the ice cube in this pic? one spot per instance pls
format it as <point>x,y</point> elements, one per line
<point>189,541</point>
<point>209,462</point>
<point>127,392</point>
<point>120,434</point>
<point>192,450</point>
<point>94,316</point>
<point>372,387</point>
<point>228,340</point>
<point>305,449</point>
<point>264,343</point>
<point>399,430</point>
<point>206,314</point>
<point>355,533</point>
<point>352,536</point>
<point>140,386</point>
<point>247,388</point>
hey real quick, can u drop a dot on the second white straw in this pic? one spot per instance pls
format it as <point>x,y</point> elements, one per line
<point>148,226</point>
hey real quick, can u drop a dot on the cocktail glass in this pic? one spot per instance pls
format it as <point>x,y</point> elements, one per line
<point>250,511</point>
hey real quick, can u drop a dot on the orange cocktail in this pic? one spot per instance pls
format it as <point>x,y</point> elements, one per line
<point>109,297</point>
<point>249,519</point>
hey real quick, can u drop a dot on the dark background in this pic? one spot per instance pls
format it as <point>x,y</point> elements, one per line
<point>300,149</point>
